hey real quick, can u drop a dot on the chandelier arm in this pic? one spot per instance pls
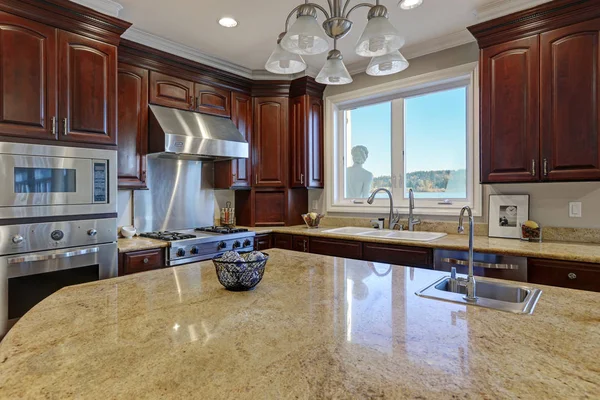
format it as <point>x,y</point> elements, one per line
<point>357,7</point>
<point>330,6</point>
<point>287,21</point>
<point>317,6</point>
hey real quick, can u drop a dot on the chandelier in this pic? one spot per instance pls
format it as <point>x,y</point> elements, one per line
<point>380,40</point>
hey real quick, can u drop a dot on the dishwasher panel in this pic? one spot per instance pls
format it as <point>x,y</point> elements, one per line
<point>492,265</point>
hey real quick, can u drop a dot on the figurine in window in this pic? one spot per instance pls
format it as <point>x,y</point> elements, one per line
<point>358,179</point>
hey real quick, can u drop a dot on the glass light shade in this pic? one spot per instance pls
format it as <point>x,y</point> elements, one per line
<point>305,37</point>
<point>387,65</point>
<point>334,72</point>
<point>284,62</point>
<point>379,38</point>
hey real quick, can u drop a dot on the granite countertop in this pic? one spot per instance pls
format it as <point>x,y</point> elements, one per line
<point>315,327</point>
<point>139,243</point>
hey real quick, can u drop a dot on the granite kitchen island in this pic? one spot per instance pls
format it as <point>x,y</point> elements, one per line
<point>315,327</point>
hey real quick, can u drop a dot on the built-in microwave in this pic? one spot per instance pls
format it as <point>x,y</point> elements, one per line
<point>44,181</point>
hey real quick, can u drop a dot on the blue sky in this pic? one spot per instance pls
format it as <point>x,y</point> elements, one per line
<point>435,132</point>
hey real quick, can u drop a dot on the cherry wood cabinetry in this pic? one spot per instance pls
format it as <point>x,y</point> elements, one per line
<point>306,128</point>
<point>170,91</point>
<point>540,94</point>
<point>132,126</point>
<point>336,248</point>
<point>301,243</point>
<point>270,141</point>
<point>263,242</point>
<point>141,261</point>
<point>567,274</point>
<point>212,100</point>
<point>399,255</point>
<point>28,94</point>
<point>570,94</point>
<point>237,173</point>
<point>283,241</point>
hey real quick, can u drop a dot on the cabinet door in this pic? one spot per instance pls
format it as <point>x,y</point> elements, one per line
<point>262,242</point>
<point>28,74</point>
<point>270,141</point>
<point>301,243</point>
<point>336,248</point>
<point>269,208</point>
<point>170,91</point>
<point>132,126</point>
<point>87,90</point>
<point>407,256</point>
<point>510,111</point>
<point>299,142</point>
<point>282,241</point>
<point>570,96</point>
<point>567,274</point>
<point>211,100</point>
<point>315,173</point>
<point>237,173</point>
<point>142,261</point>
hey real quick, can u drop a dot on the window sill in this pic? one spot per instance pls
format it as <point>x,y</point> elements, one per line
<point>365,209</point>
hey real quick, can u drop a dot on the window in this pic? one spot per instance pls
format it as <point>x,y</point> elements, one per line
<point>417,135</point>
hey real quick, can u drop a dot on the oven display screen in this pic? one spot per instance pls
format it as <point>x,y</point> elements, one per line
<point>44,180</point>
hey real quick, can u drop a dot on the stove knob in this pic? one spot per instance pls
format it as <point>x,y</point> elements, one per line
<point>92,232</point>
<point>247,242</point>
<point>237,244</point>
<point>180,253</point>
<point>221,245</point>
<point>194,250</point>
<point>17,239</point>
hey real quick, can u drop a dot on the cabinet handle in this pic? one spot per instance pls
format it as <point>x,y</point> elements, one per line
<point>572,275</point>
<point>302,179</point>
<point>146,260</point>
<point>256,179</point>
<point>65,125</point>
<point>192,105</point>
<point>533,167</point>
<point>53,129</point>
<point>545,167</point>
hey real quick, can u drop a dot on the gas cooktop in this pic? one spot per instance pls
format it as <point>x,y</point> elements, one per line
<point>168,236</point>
<point>224,230</point>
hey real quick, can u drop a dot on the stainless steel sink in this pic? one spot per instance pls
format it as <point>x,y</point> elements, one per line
<point>499,296</point>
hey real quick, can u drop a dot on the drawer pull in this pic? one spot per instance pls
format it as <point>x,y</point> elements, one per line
<point>146,260</point>
<point>572,275</point>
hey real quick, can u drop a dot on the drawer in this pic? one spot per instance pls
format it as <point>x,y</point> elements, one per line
<point>336,248</point>
<point>282,241</point>
<point>301,243</point>
<point>567,274</point>
<point>141,261</point>
<point>262,242</point>
<point>399,255</point>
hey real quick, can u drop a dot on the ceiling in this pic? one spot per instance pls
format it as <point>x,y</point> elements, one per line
<point>193,23</point>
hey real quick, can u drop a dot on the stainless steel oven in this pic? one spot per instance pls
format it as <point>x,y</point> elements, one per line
<point>39,259</point>
<point>44,181</point>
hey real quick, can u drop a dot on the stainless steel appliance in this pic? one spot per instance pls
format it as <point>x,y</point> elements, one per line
<point>192,245</point>
<point>490,265</point>
<point>50,181</point>
<point>40,258</point>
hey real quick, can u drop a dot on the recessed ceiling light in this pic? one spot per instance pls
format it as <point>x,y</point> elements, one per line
<point>228,22</point>
<point>409,4</point>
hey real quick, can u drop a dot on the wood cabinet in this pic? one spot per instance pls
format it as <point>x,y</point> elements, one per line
<point>306,135</point>
<point>399,255</point>
<point>132,126</point>
<point>510,111</point>
<point>570,96</point>
<point>270,142</point>
<point>170,91</point>
<point>270,207</point>
<point>212,100</point>
<point>141,261</point>
<point>540,94</point>
<point>301,243</point>
<point>567,274</point>
<point>237,173</point>
<point>263,242</point>
<point>28,94</point>
<point>336,248</point>
<point>282,241</point>
<point>87,89</point>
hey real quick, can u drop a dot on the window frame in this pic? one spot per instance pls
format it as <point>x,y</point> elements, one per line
<point>335,137</point>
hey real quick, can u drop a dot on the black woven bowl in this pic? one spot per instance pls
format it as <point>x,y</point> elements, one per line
<point>240,275</point>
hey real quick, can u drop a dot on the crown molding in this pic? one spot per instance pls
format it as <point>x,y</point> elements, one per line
<point>108,7</point>
<point>500,8</point>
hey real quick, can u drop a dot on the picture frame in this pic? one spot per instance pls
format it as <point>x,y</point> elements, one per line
<point>506,213</point>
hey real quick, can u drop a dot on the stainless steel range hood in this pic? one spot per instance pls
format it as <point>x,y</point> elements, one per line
<point>190,135</point>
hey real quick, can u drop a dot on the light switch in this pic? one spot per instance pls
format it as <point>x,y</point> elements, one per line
<point>575,209</point>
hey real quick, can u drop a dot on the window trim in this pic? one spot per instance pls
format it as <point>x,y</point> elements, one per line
<point>334,111</point>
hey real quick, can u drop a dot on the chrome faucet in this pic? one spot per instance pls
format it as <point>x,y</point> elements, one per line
<point>394,219</point>
<point>412,221</point>
<point>469,282</point>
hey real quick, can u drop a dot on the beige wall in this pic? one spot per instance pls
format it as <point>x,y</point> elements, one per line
<point>548,201</point>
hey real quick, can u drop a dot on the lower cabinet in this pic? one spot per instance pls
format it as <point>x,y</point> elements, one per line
<point>141,261</point>
<point>282,241</point>
<point>567,274</point>
<point>263,242</point>
<point>336,248</point>
<point>400,255</point>
<point>301,243</point>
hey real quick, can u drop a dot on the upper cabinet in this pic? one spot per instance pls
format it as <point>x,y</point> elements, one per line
<point>28,74</point>
<point>133,126</point>
<point>540,94</point>
<point>306,133</point>
<point>270,141</point>
<point>170,91</point>
<point>570,94</point>
<point>211,100</point>
<point>87,89</point>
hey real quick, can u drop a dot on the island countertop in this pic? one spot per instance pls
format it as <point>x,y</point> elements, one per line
<point>315,327</point>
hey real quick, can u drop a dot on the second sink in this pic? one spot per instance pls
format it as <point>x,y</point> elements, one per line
<point>388,234</point>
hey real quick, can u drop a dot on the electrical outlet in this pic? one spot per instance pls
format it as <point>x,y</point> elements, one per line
<point>575,209</point>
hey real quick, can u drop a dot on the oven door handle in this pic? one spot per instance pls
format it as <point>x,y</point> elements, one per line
<point>65,254</point>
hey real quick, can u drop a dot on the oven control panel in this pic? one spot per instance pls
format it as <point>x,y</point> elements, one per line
<point>100,179</point>
<point>193,252</point>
